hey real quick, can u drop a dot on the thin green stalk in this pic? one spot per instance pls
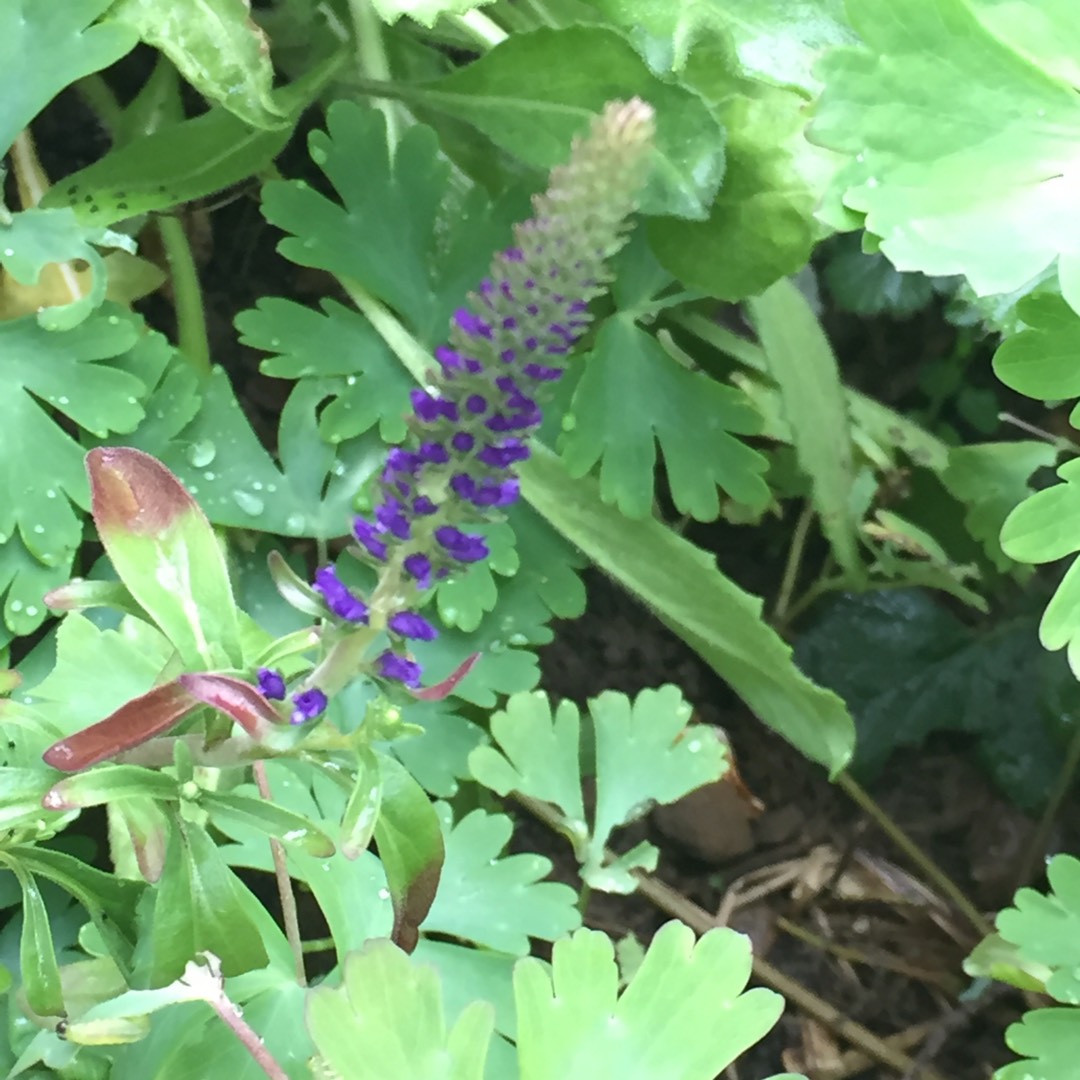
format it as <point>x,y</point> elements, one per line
<point>944,883</point>
<point>373,63</point>
<point>192,339</point>
<point>96,93</point>
<point>483,29</point>
<point>289,915</point>
<point>1037,848</point>
<point>794,561</point>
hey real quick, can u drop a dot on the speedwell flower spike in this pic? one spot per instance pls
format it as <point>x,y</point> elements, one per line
<point>505,348</point>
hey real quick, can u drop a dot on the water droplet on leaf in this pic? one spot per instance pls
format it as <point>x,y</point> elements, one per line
<point>200,454</point>
<point>249,503</point>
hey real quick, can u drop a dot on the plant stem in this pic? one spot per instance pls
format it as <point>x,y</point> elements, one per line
<point>923,861</point>
<point>187,294</point>
<point>794,561</point>
<point>230,1015</point>
<point>1037,848</point>
<point>284,883</point>
<point>484,29</point>
<point>372,62</point>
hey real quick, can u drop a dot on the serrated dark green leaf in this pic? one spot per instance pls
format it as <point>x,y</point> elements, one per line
<point>498,903</point>
<point>632,396</point>
<point>46,47</point>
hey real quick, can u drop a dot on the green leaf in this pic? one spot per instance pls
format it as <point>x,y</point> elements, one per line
<point>685,1014</point>
<point>46,47</point>
<point>63,375</point>
<point>217,47</point>
<point>97,671</point>
<point>533,92</point>
<point>803,365</point>
<point>762,225</point>
<point>908,668</point>
<point>200,905</point>
<point>37,956</point>
<point>111,783</point>
<point>644,754</point>
<point>35,238</point>
<point>109,900</point>
<point>992,480</point>
<point>956,140</point>
<point>164,550</point>
<point>362,809</point>
<point>497,902</point>
<point>1046,928</point>
<point>1039,361</point>
<point>273,820</point>
<point>180,163</point>
<point>866,283</point>
<point>1051,1037</point>
<point>386,1023</point>
<point>368,388</point>
<point>996,958</point>
<point>410,848</point>
<point>633,392</point>
<point>396,231</point>
<point>439,757</point>
<point>221,461</point>
<point>352,893</point>
<point>708,611</point>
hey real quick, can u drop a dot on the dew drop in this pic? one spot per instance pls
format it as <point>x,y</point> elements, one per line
<point>63,400</point>
<point>384,894</point>
<point>200,454</point>
<point>271,488</point>
<point>294,523</point>
<point>249,503</point>
<point>257,485</point>
<point>9,252</point>
<point>209,476</point>
<point>872,182</point>
<point>39,529</point>
<point>351,380</point>
<point>15,605</point>
<point>569,422</point>
<point>51,493</point>
<point>31,611</point>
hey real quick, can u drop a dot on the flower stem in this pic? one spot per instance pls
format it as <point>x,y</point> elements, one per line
<point>484,29</point>
<point>284,882</point>
<point>187,294</point>
<point>231,1016</point>
<point>373,63</point>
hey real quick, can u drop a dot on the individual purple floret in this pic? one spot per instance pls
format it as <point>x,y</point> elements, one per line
<point>399,668</point>
<point>340,599</point>
<point>408,624</point>
<point>307,705</point>
<point>271,684</point>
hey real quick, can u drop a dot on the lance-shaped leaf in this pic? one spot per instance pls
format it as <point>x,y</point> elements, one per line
<point>285,825</point>
<point>200,906</point>
<point>37,957</point>
<point>166,553</point>
<point>410,849</point>
<point>134,723</point>
<point>110,784</point>
<point>79,595</point>
<point>236,699</point>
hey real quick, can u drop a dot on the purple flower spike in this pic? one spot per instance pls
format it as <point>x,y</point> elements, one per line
<point>411,625</point>
<point>464,547</point>
<point>271,684</point>
<point>471,324</point>
<point>398,668</point>
<point>307,705</point>
<point>339,598</point>
<point>390,517</point>
<point>431,408</point>
<point>504,455</point>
